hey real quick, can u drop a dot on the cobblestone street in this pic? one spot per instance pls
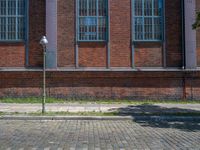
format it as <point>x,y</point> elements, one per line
<point>98,135</point>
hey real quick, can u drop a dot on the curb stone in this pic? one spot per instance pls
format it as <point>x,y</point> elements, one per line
<point>133,118</point>
<point>66,117</point>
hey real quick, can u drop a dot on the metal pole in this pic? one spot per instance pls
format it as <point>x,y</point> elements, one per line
<point>44,79</point>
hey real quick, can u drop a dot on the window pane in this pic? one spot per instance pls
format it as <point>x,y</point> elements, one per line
<point>82,7</point>
<point>138,8</point>
<point>138,28</point>
<point>92,8</point>
<point>157,28</point>
<point>92,20</point>
<point>102,8</point>
<point>21,7</point>
<point>148,7</point>
<point>82,29</point>
<point>148,31</point>
<point>88,28</point>
<point>147,18</point>
<point>12,24</point>
<point>12,7</point>
<point>102,29</point>
<point>21,28</point>
<point>3,28</point>
<point>3,7</point>
<point>157,7</point>
<point>11,28</point>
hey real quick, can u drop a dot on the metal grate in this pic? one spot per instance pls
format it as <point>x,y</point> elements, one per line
<point>147,20</point>
<point>12,20</point>
<point>92,20</point>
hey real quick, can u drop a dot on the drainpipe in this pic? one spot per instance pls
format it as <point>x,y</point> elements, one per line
<point>183,48</point>
<point>183,33</point>
<point>27,34</point>
<point>132,37</point>
<point>76,37</point>
<point>108,35</point>
<point>164,36</point>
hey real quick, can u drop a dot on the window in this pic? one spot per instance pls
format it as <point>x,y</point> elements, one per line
<point>147,20</point>
<point>12,20</point>
<point>92,16</point>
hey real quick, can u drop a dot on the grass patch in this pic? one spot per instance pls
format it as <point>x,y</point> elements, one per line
<point>93,113</point>
<point>62,114</point>
<point>34,100</point>
<point>31,100</point>
<point>75,114</point>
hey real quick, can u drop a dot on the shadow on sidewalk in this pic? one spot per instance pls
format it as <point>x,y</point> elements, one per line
<point>155,110</point>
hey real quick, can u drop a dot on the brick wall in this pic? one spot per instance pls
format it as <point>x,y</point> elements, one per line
<point>119,85</point>
<point>37,30</point>
<point>12,55</point>
<point>173,33</point>
<point>120,33</point>
<point>92,55</point>
<point>198,36</point>
<point>148,55</point>
<point>66,33</point>
<point>133,85</point>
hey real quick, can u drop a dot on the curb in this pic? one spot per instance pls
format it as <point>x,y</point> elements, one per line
<point>132,118</point>
<point>66,118</point>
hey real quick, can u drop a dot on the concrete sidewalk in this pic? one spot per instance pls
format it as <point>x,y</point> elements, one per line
<point>121,108</point>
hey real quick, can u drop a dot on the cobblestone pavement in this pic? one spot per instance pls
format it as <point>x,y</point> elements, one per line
<point>98,135</point>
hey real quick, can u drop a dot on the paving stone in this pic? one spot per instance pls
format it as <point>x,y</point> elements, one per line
<point>98,135</point>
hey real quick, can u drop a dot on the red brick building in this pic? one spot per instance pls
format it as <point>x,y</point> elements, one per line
<point>125,49</point>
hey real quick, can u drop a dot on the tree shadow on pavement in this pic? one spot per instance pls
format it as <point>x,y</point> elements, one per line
<point>163,117</point>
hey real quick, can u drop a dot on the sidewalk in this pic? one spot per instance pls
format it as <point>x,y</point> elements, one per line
<point>120,108</point>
